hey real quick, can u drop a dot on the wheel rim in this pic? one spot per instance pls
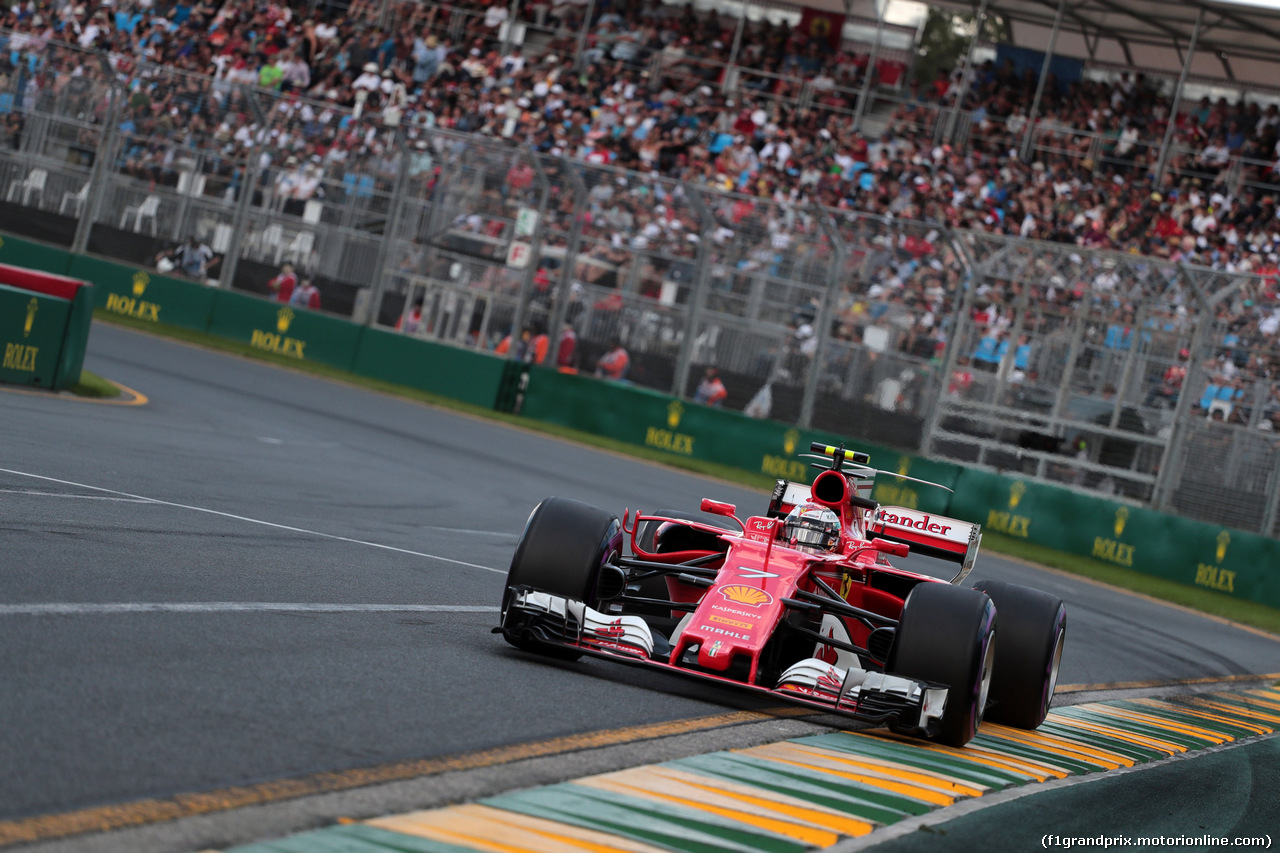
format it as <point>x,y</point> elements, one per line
<point>1053,669</point>
<point>984,684</point>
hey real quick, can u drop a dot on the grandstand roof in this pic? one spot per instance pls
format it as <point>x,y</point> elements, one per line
<point>1237,41</point>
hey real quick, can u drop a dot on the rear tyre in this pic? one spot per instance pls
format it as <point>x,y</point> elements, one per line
<point>1033,628</point>
<point>947,635</point>
<point>560,552</point>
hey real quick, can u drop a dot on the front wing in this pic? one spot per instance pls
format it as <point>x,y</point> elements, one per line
<point>905,704</point>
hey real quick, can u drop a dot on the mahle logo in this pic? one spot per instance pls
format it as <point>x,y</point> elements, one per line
<point>790,440</point>
<point>675,411</point>
<point>1122,518</point>
<point>140,282</point>
<point>32,307</point>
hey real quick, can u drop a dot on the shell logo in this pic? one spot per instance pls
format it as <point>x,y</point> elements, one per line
<point>140,282</point>
<point>675,411</point>
<point>1122,518</point>
<point>283,318</point>
<point>790,440</point>
<point>748,595</point>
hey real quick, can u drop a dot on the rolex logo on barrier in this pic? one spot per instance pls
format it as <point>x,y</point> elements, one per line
<point>1216,577</point>
<point>277,341</point>
<point>669,439</point>
<point>1010,523</point>
<point>675,411</point>
<point>790,440</point>
<point>1016,491</point>
<point>32,307</point>
<point>135,306</point>
<point>1112,550</point>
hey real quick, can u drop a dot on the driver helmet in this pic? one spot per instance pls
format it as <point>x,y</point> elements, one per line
<point>811,527</point>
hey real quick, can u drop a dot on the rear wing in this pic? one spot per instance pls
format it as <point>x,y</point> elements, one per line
<point>932,535</point>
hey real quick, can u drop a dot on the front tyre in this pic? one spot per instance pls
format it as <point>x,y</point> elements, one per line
<point>947,635</point>
<point>1033,628</point>
<point>564,544</point>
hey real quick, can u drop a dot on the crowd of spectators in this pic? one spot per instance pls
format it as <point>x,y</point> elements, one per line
<point>641,89</point>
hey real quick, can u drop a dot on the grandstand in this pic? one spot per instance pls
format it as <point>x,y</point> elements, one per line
<point>1060,260</point>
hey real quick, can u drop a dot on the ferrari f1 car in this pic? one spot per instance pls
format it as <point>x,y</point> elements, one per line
<point>800,603</point>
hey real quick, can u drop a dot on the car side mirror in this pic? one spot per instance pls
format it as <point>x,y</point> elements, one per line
<point>893,549</point>
<point>719,508</point>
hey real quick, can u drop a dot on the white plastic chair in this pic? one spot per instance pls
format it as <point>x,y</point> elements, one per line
<point>147,210</point>
<point>273,241</point>
<point>78,201</point>
<point>299,251</point>
<point>33,183</point>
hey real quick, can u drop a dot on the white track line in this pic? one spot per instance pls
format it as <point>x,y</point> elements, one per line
<point>235,517</point>
<point>229,607</point>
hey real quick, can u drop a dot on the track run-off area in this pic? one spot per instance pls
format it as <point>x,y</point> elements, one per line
<point>255,604</point>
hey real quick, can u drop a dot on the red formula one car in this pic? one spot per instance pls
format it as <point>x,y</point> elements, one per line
<point>800,603</point>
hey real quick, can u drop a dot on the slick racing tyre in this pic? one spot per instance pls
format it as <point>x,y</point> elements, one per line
<point>947,635</point>
<point>564,544</point>
<point>1033,626</point>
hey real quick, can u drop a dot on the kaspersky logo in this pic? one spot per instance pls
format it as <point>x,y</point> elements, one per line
<point>277,341</point>
<point>32,307</point>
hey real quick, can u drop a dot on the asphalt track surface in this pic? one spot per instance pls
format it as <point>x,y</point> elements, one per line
<point>260,575</point>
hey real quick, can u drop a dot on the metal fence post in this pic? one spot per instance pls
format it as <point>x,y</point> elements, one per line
<point>1170,472</point>
<point>98,175</point>
<point>390,232</point>
<point>526,285</point>
<point>697,295</point>
<point>565,289</point>
<point>951,353</point>
<point>823,318</point>
<point>252,172</point>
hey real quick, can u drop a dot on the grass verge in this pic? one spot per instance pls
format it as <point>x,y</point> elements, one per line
<point>1206,601</point>
<point>93,385</point>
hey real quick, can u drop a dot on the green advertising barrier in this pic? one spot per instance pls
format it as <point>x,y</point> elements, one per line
<point>44,327</point>
<point>275,327</point>
<point>893,491</point>
<point>32,327</point>
<point>145,294</point>
<point>472,377</point>
<point>1241,564</point>
<point>651,419</point>
<point>36,256</point>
